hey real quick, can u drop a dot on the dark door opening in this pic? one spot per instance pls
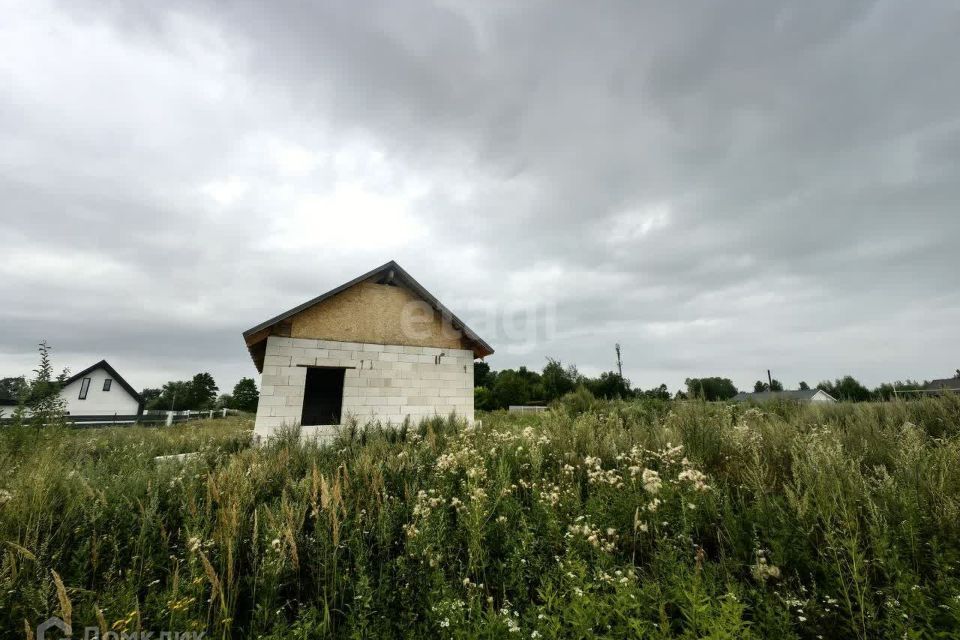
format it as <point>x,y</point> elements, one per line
<point>322,396</point>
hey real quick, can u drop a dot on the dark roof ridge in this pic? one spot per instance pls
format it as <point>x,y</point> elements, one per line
<point>103,364</point>
<point>401,274</point>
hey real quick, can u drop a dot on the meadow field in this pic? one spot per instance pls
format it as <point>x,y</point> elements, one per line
<point>594,519</point>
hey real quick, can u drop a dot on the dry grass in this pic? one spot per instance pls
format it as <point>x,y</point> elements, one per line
<point>592,520</point>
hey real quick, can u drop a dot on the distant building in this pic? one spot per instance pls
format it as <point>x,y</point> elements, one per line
<point>799,395</point>
<point>944,384</point>
<point>96,394</point>
<point>380,347</point>
<point>99,390</point>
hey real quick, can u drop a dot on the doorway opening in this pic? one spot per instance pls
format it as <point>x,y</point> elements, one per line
<point>322,396</point>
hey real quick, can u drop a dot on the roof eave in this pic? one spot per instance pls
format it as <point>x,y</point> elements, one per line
<point>481,348</point>
<point>103,364</point>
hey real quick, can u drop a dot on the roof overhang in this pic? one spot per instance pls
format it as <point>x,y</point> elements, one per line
<point>103,364</point>
<point>256,337</point>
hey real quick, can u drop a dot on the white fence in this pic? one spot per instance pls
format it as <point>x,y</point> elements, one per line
<point>170,417</point>
<point>153,417</point>
<point>522,408</point>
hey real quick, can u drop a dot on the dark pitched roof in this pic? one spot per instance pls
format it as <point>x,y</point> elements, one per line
<point>103,364</point>
<point>766,396</point>
<point>943,383</point>
<point>390,269</point>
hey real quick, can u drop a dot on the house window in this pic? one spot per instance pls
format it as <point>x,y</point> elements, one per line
<point>84,388</point>
<point>322,396</point>
<point>107,384</point>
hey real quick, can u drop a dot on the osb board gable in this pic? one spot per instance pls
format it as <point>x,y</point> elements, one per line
<point>378,314</point>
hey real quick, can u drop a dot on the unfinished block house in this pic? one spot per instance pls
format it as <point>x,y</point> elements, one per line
<point>378,348</point>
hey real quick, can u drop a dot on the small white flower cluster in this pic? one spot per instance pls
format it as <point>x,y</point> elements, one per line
<point>618,577</point>
<point>798,605</point>
<point>458,458</point>
<point>597,475</point>
<point>696,478</point>
<point>426,502</point>
<point>670,454</point>
<point>651,481</point>
<point>511,618</point>
<point>550,493</point>
<point>605,541</point>
<point>449,609</point>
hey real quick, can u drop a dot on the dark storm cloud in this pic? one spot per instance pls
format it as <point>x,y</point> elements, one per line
<point>719,188</point>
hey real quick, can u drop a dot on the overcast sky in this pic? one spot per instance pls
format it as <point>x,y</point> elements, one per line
<point>722,188</point>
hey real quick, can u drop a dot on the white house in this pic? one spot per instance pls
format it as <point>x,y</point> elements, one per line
<point>380,347</point>
<point>99,390</point>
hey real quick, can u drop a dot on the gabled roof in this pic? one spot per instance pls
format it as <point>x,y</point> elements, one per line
<point>392,271</point>
<point>943,383</point>
<point>103,364</point>
<point>765,396</point>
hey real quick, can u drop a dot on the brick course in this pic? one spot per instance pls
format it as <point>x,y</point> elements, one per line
<point>385,383</point>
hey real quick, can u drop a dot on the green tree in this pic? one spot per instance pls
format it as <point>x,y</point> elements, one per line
<point>483,399</point>
<point>760,386</point>
<point>42,397</point>
<point>481,374</point>
<point>804,386</point>
<point>174,396</point>
<point>557,380</point>
<point>657,393</point>
<point>149,396</point>
<point>710,389</point>
<point>776,385</point>
<point>846,388</point>
<point>245,395</point>
<point>888,390</point>
<point>610,385</point>
<point>203,392</point>
<point>13,388</point>
<point>515,387</point>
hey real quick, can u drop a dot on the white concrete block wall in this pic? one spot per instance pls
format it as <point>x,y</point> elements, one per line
<point>388,383</point>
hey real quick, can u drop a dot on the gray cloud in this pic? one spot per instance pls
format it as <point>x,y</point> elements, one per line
<point>720,189</point>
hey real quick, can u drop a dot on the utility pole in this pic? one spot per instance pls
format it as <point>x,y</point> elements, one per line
<point>769,380</point>
<point>619,363</point>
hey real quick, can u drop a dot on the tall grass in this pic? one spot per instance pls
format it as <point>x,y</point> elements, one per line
<point>591,520</point>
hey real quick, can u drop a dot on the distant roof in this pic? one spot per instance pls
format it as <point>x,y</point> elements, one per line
<point>391,270</point>
<point>103,364</point>
<point>765,396</point>
<point>943,383</point>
